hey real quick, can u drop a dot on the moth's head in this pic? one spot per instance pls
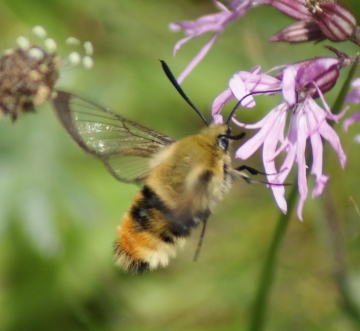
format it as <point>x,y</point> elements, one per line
<point>219,135</point>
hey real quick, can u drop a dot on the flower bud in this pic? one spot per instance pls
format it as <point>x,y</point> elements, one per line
<point>336,22</point>
<point>313,74</point>
<point>297,32</point>
<point>292,8</point>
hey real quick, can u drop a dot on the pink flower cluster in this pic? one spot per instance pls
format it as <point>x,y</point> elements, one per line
<point>298,119</point>
<point>298,84</point>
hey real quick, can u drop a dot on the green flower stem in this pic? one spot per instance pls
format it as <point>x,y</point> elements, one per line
<point>258,313</point>
<point>339,103</point>
<point>347,301</point>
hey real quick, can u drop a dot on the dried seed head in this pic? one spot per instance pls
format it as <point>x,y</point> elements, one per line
<point>28,73</point>
<point>27,77</point>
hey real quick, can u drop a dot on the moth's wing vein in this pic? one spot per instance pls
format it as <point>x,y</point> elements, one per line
<point>124,146</point>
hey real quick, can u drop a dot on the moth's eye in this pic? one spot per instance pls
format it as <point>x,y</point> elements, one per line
<point>223,142</point>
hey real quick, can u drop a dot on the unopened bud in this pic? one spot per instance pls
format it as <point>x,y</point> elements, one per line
<point>292,8</point>
<point>297,32</point>
<point>315,74</point>
<point>336,22</point>
<point>322,72</point>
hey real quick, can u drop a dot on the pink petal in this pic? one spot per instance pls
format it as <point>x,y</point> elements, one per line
<point>319,186</point>
<point>355,117</point>
<point>277,135</point>
<point>288,82</point>
<point>327,132</point>
<point>221,6</point>
<point>218,119</point>
<point>196,28</point>
<point>198,57</point>
<point>287,163</point>
<point>316,169</point>
<point>221,100</point>
<point>239,89</point>
<point>257,82</point>
<point>278,191</point>
<point>356,83</point>
<point>331,136</point>
<point>317,155</point>
<point>329,114</point>
<point>253,144</point>
<point>279,196</point>
<point>353,96</point>
<point>180,43</point>
<point>269,166</point>
<point>301,160</point>
<point>278,109</point>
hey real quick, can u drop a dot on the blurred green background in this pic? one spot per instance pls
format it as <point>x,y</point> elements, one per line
<point>59,207</point>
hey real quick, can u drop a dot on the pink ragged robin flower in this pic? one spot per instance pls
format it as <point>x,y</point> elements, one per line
<point>215,23</point>
<point>316,20</point>
<point>299,83</point>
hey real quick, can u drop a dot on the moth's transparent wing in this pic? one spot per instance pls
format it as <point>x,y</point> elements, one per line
<point>124,146</point>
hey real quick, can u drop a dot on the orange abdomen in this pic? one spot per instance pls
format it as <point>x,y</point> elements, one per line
<point>149,234</point>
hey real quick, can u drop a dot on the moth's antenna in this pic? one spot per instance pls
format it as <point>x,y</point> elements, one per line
<point>173,81</point>
<point>196,256</point>
<point>244,97</point>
